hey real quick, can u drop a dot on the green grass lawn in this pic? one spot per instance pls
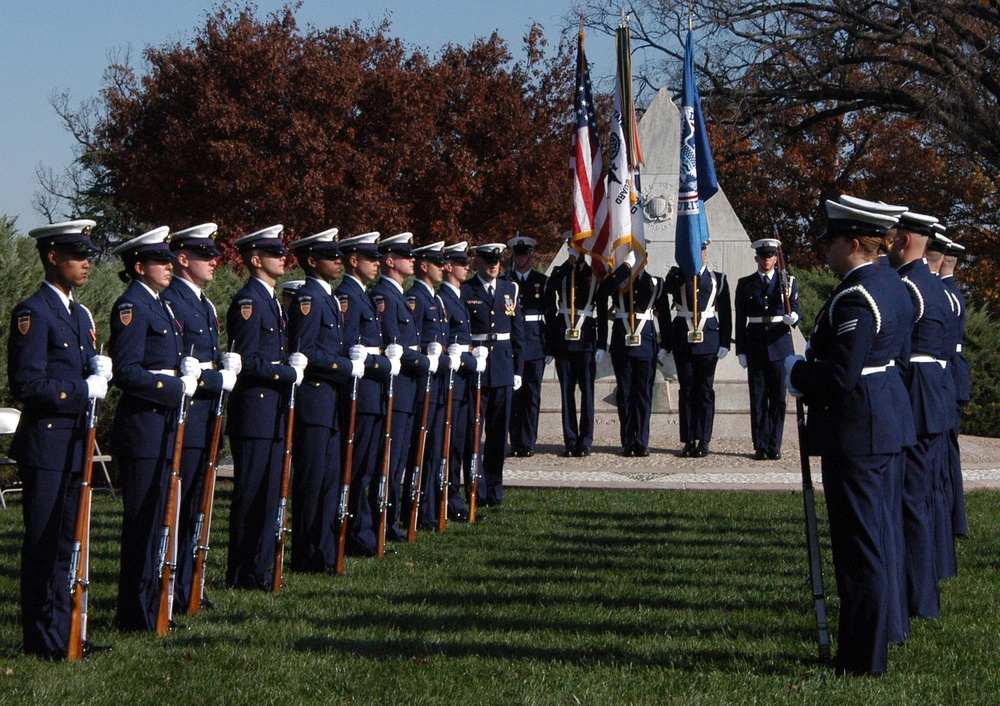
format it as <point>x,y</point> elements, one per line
<point>562,597</point>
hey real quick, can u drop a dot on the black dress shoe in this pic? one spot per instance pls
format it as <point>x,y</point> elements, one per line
<point>640,451</point>
<point>458,516</point>
<point>688,450</point>
<point>172,626</point>
<point>774,455</point>
<point>90,648</point>
<point>581,452</point>
<point>760,455</point>
<point>627,452</point>
<point>702,450</point>
<point>567,453</point>
<point>207,604</point>
<point>527,453</point>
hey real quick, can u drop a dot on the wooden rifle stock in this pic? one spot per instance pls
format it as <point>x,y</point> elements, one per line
<point>476,433</point>
<point>812,540</point>
<point>79,567</point>
<point>416,477</point>
<point>168,534</point>
<point>281,525</point>
<point>203,522</point>
<point>383,482</point>
<point>445,457</point>
<point>345,481</point>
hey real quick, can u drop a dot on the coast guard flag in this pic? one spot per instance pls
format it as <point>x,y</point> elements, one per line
<point>625,218</point>
<point>698,182</point>
<point>589,207</point>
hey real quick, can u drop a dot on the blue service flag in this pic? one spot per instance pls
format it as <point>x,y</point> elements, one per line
<point>698,182</point>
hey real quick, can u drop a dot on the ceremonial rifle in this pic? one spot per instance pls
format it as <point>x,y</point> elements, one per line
<point>783,281</point>
<point>79,564</point>
<point>383,481</point>
<point>445,456</point>
<point>416,477</point>
<point>281,529</point>
<point>345,481</point>
<point>476,431</point>
<point>171,520</point>
<point>203,522</point>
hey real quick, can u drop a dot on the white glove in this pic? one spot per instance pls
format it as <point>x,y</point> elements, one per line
<point>480,352</point>
<point>232,361</point>
<point>599,355</point>
<point>723,352</point>
<point>630,259</point>
<point>357,368</point>
<point>549,359</point>
<point>358,353</point>
<point>662,357</point>
<point>434,349</point>
<point>742,358</point>
<point>455,362</point>
<point>432,363</point>
<point>228,379</point>
<point>791,319</point>
<point>190,367</point>
<point>300,374</point>
<point>101,365</point>
<point>790,362</point>
<point>190,385</point>
<point>394,351</point>
<point>517,383</point>
<point>97,387</point>
<point>480,365</point>
<point>298,360</point>
<point>394,366</point>
<point>454,349</point>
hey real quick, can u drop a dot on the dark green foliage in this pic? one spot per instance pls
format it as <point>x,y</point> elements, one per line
<point>981,416</point>
<point>814,285</point>
<point>559,597</point>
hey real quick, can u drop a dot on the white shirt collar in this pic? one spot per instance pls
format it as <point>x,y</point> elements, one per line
<point>397,284</point>
<point>269,288</point>
<point>62,295</point>
<point>360,283</point>
<point>486,284</point>
<point>429,288</point>
<point>148,289</point>
<point>766,275</point>
<point>194,288</point>
<point>456,290</point>
<point>324,284</point>
<point>863,264</point>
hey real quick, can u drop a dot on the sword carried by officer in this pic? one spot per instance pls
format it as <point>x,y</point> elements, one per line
<point>345,482</point>
<point>383,482</point>
<point>168,533</point>
<point>203,521</point>
<point>809,502</point>
<point>281,529</point>
<point>79,564</point>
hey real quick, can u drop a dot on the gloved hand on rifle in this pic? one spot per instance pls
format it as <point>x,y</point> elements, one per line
<point>454,357</point>
<point>394,352</point>
<point>790,362</point>
<point>190,367</point>
<point>299,362</point>
<point>433,356</point>
<point>101,365</point>
<point>480,353</point>
<point>359,353</point>
<point>97,387</point>
<point>233,362</point>
<point>791,318</point>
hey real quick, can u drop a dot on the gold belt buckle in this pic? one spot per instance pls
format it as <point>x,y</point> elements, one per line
<point>572,334</point>
<point>634,340</point>
<point>695,336</point>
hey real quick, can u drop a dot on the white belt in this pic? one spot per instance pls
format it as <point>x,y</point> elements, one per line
<point>414,348</point>
<point>491,337</point>
<point>701,314</point>
<point>644,316</point>
<point>533,317</point>
<point>872,369</point>
<point>373,350</point>
<point>168,373</point>
<point>928,359</point>
<point>278,362</point>
<point>958,348</point>
<point>208,365</point>
<point>580,313</point>
<point>763,319</point>
<point>463,348</point>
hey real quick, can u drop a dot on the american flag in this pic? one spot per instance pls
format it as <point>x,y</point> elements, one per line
<point>589,207</point>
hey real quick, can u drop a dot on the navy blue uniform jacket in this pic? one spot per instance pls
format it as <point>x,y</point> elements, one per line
<point>531,300</point>
<point>399,326</point>
<point>763,342</point>
<point>361,326</point>
<point>496,316</point>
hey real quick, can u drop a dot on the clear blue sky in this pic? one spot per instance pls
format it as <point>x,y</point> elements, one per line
<point>50,46</point>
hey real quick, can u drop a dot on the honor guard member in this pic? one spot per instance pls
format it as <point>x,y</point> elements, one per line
<point>288,289</point>
<point>194,268</point>
<point>959,367</point>
<point>54,372</point>
<point>496,326</point>
<point>314,323</point>
<point>399,328</point>
<point>763,341</point>
<point>155,376</point>
<point>363,336</point>
<point>932,396</point>
<point>466,367</point>
<point>572,339</point>
<point>531,301</point>
<point>846,380</point>
<point>698,345</point>
<point>432,328</point>
<point>258,409</point>
<point>633,348</point>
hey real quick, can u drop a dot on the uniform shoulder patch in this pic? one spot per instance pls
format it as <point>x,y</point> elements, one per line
<point>125,315</point>
<point>343,303</point>
<point>23,322</point>
<point>411,302</point>
<point>246,309</point>
<point>379,302</point>
<point>305,305</point>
